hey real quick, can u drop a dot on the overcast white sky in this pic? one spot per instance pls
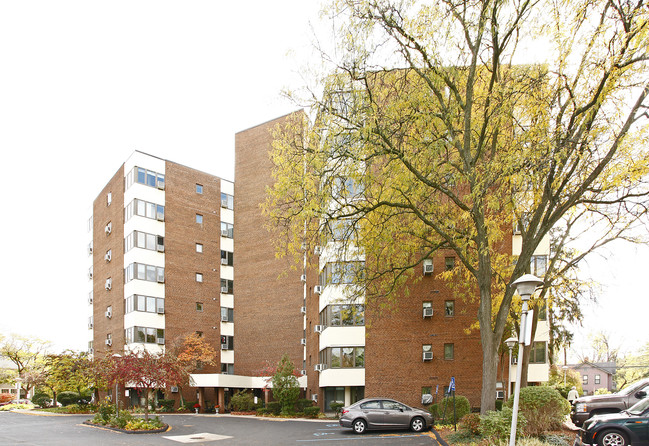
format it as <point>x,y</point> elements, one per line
<point>84,83</point>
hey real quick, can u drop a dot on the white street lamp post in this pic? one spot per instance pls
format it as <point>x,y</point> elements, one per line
<point>525,286</point>
<point>510,342</point>
<point>18,380</point>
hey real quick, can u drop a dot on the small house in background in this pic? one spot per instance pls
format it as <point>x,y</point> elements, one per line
<point>596,375</point>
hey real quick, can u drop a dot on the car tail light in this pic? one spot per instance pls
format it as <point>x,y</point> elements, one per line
<point>345,411</point>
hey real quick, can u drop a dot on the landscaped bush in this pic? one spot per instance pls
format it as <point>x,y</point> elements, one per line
<point>443,411</point>
<point>496,425</point>
<point>336,406</point>
<point>302,404</point>
<point>242,402</point>
<point>274,407</point>
<point>16,406</point>
<point>6,397</point>
<point>471,423</point>
<point>311,412</point>
<point>189,405</point>
<point>166,405</point>
<point>41,399</point>
<point>261,411</point>
<point>543,407</point>
<point>66,398</point>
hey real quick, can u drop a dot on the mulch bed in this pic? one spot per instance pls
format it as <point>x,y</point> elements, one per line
<point>164,428</point>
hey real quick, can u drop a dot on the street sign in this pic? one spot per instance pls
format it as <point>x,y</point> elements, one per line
<point>451,386</point>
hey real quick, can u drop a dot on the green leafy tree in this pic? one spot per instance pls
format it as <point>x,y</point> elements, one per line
<point>68,371</point>
<point>430,136</point>
<point>285,385</point>
<point>27,355</point>
<point>632,367</point>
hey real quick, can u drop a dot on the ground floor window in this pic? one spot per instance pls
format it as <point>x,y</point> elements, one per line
<point>333,394</point>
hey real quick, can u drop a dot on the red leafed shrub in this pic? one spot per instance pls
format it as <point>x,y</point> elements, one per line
<point>5,397</point>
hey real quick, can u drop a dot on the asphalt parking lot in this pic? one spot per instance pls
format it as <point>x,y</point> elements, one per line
<point>38,430</point>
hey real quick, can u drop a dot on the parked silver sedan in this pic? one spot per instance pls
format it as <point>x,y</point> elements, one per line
<point>383,413</point>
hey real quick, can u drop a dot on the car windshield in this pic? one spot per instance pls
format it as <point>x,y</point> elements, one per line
<point>628,390</point>
<point>639,407</point>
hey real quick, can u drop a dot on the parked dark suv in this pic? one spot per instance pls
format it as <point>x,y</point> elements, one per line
<point>588,406</point>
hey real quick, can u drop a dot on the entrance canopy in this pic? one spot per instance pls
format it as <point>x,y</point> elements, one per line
<point>235,381</point>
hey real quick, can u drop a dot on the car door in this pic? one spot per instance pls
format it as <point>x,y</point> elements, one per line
<point>373,413</point>
<point>396,415</point>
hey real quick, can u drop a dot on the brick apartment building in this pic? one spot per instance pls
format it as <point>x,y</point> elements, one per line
<point>161,255</point>
<point>345,350</point>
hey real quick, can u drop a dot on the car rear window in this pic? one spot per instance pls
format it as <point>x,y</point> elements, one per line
<point>371,405</point>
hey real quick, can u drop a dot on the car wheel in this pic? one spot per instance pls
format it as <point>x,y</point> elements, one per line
<point>359,426</point>
<point>613,438</point>
<point>417,424</point>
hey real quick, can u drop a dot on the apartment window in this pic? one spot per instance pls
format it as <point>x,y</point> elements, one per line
<point>147,177</point>
<point>199,219</point>
<point>199,247</point>
<point>227,201</point>
<point>227,314</point>
<point>584,379</point>
<point>227,369</point>
<point>343,357</point>
<point>146,304</point>
<point>347,188</point>
<point>199,306</point>
<point>449,308</point>
<point>427,390</point>
<point>227,286</point>
<point>341,230</point>
<point>342,272</point>
<point>109,198</point>
<point>199,277</point>
<point>199,188</point>
<point>537,353</point>
<point>449,263</point>
<point>145,335</point>
<point>538,265</point>
<point>143,240</point>
<point>140,271</point>
<point>449,351</point>
<point>598,379</point>
<point>227,342</point>
<point>343,315</point>
<point>144,209</point>
<point>227,230</point>
<point>109,338</point>
<point>543,311</point>
<point>227,258</point>
<point>199,334</point>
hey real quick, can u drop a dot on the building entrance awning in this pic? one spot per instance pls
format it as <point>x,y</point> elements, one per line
<point>235,381</point>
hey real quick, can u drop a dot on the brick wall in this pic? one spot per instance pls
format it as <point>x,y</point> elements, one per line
<point>268,322</point>
<point>182,262</point>
<point>102,242</point>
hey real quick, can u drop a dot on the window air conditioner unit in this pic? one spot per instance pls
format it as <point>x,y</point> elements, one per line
<point>108,256</point>
<point>303,277</point>
<point>89,325</point>
<point>108,228</point>
<point>160,341</point>
<point>224,232</point>
<point>224,261</point>
<point>303,310</point>
<point>160,216</point>
<point>89,274</point>
<point>90,300</point>
<point>109,342</point>
<point>303,341</point>
<point>317,289</point>
<point>314,397</point>
<point>500,394</point>
<point>90,249</point>
<point>224,290</point>
<point>317,250</point>
<point>428,356</point>
<point>160,310</point>
<point>161,185</point>
<point>109,284</point>
<point>428,312</point>
<point>304,246</point>
<point>303,372</point>
<point>161,248</point>
<point>160,278</point>
<point>224,346</point>
<point>319,367</point>
<point>224,318</point>
<point>109,314</point>
<point>91,351</point>
<point>174,389</point>
<point>428,268</point>
<point>319,328</point>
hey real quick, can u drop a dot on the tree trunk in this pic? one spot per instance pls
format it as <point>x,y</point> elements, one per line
<point>146,404</point>
<point>489,375</point>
